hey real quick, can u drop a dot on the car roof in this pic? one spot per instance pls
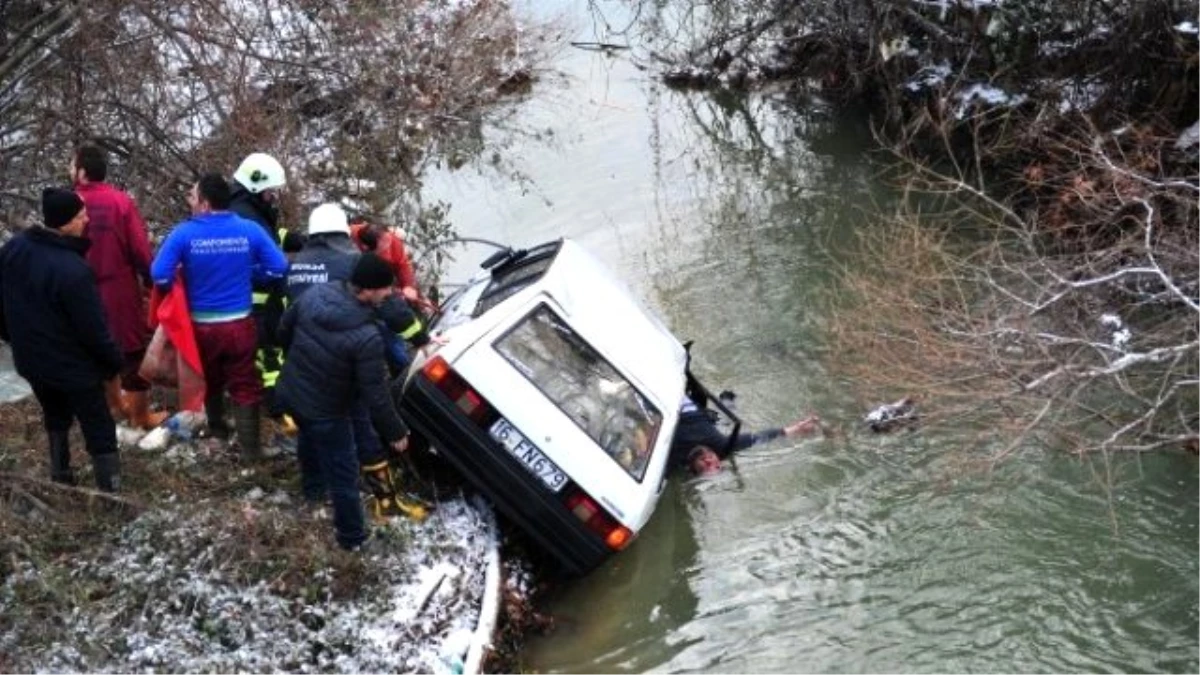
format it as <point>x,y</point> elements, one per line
<point>612,320</point>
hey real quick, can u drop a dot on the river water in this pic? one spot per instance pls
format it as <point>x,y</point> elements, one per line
<point>864,553</point>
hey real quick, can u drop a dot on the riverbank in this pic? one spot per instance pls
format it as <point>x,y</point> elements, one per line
<point>203,564</point>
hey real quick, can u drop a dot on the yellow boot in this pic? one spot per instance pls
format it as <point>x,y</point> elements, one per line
<point>387,503</point>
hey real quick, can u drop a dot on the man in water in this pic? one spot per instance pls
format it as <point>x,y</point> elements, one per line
<point>700,446</point>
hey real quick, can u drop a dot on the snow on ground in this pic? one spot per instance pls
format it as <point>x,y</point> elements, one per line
<point>175,594</point>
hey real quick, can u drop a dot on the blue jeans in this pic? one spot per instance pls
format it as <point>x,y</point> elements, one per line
<point>329,463</point>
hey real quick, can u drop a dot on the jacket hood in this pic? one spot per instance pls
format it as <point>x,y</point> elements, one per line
<point>333,307</point>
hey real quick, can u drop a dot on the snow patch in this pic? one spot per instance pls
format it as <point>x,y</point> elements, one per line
<point>1189,138</point>
<point>928,77</point>
<point>1121,335</point>
<point>988,95</point>
<point>172,601</point>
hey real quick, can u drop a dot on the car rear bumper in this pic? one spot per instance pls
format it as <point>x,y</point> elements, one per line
<point>518,494</point>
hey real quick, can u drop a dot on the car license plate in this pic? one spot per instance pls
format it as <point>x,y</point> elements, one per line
<point>533,459</point>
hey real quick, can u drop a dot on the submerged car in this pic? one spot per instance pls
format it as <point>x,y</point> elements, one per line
<point>557,395</point>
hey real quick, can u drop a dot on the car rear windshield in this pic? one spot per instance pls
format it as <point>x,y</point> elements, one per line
<point>585,386</point>
<point>514,274</point>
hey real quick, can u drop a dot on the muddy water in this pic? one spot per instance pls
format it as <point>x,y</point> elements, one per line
<point>887,554</point>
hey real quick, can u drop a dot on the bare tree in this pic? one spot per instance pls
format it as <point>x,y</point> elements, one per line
<point>1070,318</point>
<point>355,98</point>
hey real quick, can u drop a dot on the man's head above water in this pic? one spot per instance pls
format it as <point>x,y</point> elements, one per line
<point>703,461</point>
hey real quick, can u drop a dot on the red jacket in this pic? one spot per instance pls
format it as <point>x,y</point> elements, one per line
<point>391,248</point>
<point>120,258</point>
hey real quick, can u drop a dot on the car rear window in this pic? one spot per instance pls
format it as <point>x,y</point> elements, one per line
<point>585,386</point>
<point>514,274</point>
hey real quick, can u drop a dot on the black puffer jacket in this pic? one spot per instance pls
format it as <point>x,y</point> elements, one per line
<point>331,257</point>
<point>51,313</point>
<point>252,206</point>
<point>335,358</point>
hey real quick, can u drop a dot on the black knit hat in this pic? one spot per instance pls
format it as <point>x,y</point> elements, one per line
<point>372,272</point>
<point>59,206</point>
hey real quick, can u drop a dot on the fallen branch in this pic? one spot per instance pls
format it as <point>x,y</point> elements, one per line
<point>37,504</point>
<point>71,489</point>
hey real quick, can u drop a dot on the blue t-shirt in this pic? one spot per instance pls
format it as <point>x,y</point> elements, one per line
<point>222,254</point>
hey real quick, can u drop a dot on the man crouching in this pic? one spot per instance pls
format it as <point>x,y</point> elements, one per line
<point>335,363</point>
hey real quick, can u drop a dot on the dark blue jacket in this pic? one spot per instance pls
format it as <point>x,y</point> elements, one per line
<point>51,313</point>
<point>330,257</point>
<point>696,427</point>
<point>324,258</point>
<point>335,358</point>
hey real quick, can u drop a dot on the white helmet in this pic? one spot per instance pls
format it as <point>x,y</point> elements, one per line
<point>260,172</point>
<point>328,218</point>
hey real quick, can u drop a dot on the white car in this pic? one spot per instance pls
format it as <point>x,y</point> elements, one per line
<point>557,394</point>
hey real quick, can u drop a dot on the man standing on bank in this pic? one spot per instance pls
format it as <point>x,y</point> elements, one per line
<point>50,312</point>
<point>120,257</point>
<point>221,253</point>
<point>330,257</point>
<point>336,363</point>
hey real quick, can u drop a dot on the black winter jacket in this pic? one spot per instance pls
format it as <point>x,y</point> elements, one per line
<point>252,206</point>
<point>331,258</point>
<point>335,358</point>
<point>697,428</point>
<point>51,313</point>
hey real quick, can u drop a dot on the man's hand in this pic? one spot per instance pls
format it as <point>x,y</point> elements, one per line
<point>435,341</point>
<point>400,445</point>
<point>410,293</point>
<point>808,425</point>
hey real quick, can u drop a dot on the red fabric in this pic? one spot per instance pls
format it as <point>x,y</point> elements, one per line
<point>172,312</point>
<point>391,248</point>
<point>228,351</point>
<point>120,258</point>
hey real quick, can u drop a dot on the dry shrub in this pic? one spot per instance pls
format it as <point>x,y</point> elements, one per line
<point>887,326</point>
<point>356,99</point>
<point>1065,312</point>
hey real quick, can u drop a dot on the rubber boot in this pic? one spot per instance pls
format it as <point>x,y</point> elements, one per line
<point>137,406</point>
<point>107,469</point>
<point>387,503</point>
<point>214,409</point>
<point>247,423</point>
<point>60,457</point>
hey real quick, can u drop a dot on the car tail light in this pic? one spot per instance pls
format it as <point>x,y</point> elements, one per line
<point>615,535</point>
<point>455,388</point>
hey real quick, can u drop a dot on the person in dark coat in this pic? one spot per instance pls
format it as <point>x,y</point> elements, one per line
<point>120,257</point>
<point>699,446</point>
<point>329,256</point>
<point>335,361</point>
<point>50,311</point>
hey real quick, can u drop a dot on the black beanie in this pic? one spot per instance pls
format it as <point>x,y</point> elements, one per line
<point>371,272</point>
<point>60,206</point>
